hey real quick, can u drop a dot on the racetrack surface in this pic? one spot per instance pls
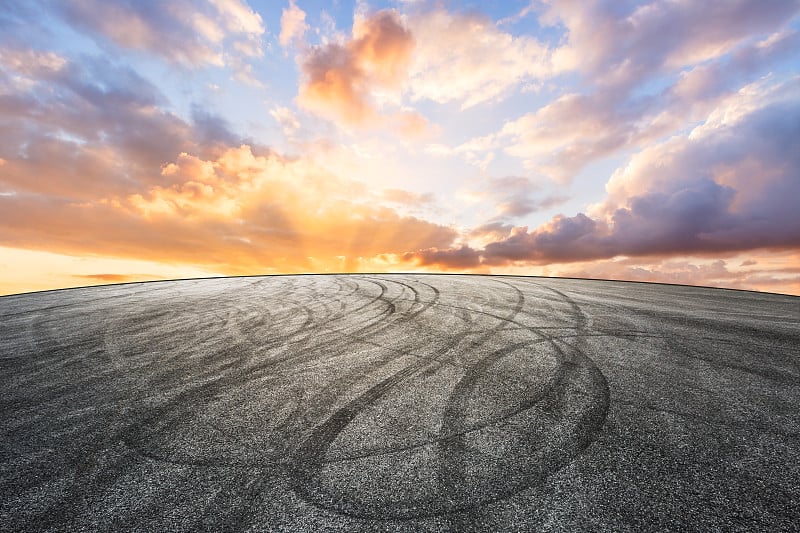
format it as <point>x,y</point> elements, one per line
<point>399,403</point>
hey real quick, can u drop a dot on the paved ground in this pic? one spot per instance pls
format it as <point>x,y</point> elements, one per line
<point>399,402</point>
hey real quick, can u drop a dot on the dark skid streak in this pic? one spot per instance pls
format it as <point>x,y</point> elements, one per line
<point>399,402</point>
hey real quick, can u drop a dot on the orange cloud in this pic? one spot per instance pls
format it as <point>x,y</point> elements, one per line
<point>412,124</point>
<point>776,272</point>
<point>239,213</point>
<point>111,278</point>
<point>344,81</point>
<point>400,196</point>
<point>462,259</point>
<point>29,270</point>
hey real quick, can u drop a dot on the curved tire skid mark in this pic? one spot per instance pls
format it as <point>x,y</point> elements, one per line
<point>173,409</point>
<point>165,414</point>
<point>310,457</point>
<point>319,404</point>
<point>556,378</point>
<point>576,377</point>
<point>561,435</point>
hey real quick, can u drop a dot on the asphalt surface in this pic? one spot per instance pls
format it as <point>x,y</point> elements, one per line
<point>399,403</point>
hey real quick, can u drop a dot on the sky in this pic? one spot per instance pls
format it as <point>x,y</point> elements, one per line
<point>648,141</point>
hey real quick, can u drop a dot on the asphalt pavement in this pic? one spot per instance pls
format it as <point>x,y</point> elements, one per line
<point>399,402</point>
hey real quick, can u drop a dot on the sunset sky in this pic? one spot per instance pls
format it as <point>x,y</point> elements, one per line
<point>653,141</point>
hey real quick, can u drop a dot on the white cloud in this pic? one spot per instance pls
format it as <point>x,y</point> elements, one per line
<point>293,25</point>
<point>286,119</point>
<point>467,59</point>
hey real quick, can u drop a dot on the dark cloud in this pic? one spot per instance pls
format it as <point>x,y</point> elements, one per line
<point>681,220</point>
<point>564,239</point>
<point>730,186</point>
<point>451,258</point>
<point>212,129</point>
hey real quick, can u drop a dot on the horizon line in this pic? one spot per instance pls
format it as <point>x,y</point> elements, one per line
<point>394,273</point>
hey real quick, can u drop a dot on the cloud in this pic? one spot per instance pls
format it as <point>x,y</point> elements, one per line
<point>28,64</point>
<point>465,58</point>
<point>412,125</point>
<point>293,25</point>
<point>427,55</point>
<point>88,144</point>
<point>192,34</point>
<point>239,212</point>
<point>512,197</point>
<point>491,231</point>
<point>238,17</point>
<point>725,187</point>
<point>564,135</point>
<point>690,271</point>
<point>575,129</point>
<point>403,197</point>
<point>621,44</point>
<point>560,240</point>
<point>728,186</point>
<point>80,128</point>
<point>28,270</point>
<point>112,278</point>
<point>344,80</point>
<point>708,80</point>
<point>448,259</point>
<point>286,119</point>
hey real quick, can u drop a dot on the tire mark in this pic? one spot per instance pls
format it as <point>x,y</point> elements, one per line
<point>310,457</point>
<point>574,368</point>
